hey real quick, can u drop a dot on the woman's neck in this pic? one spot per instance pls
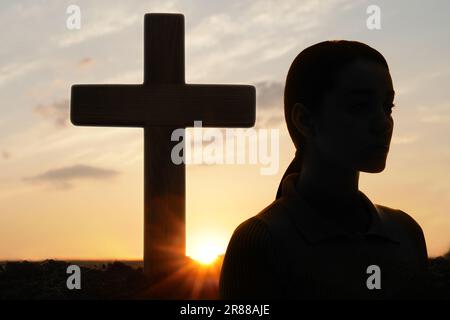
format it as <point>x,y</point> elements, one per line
<point>333,191</point>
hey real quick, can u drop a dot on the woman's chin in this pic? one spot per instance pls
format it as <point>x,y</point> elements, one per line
<point>373,167</point>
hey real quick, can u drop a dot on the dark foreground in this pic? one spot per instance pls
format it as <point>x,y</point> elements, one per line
<point>117,280</point>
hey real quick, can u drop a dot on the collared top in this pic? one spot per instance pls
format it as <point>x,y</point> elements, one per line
<point>289,250</point>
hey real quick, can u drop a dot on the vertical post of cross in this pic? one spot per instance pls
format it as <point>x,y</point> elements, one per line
<point>164,182</point>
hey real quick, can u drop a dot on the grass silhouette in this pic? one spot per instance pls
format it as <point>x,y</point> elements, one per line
<point>119,280</point>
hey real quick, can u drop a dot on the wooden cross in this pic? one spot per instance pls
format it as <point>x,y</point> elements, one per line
<point>163,103</point>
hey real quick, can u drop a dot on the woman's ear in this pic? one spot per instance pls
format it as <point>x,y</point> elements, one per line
<point>302,119</point>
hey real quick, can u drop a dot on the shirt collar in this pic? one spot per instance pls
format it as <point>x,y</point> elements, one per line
<point>316,228</point>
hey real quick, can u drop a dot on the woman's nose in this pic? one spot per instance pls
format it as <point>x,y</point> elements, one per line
<point>381,122</point>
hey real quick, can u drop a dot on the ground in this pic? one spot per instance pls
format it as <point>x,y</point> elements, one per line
<point>119,280</point>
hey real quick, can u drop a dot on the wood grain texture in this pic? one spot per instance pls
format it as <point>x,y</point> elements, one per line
<point>163,105</point>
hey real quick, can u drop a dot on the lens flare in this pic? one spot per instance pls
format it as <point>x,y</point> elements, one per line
<point>206,253</point>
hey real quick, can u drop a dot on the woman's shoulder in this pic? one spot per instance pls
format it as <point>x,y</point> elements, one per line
<point>403,223</point>
<point>266,220</point>
<point>254,229</point>
<point>399,217</point>
<point>264,231</point>
<point>249,265</point>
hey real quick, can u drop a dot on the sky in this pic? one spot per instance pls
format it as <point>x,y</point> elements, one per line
<point>77,192</point>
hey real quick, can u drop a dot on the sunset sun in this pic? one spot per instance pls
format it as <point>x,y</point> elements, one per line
<point>206,253</point>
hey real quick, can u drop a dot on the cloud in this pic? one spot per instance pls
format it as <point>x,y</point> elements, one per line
<point>15,70</point>
<point>269,104</point>
<point>274,121</point>
<point>98,27</point>
<point>6,155</point>
<point>85,63</point>
<point>436,119</point>
<point>63,177</point>
<point>132,77</point>
<point>405,139</point>
<point>57,111</point>
<point>250,31</point>
<point>435,114</point>
<point>412,85</point>
<point>269,95</point>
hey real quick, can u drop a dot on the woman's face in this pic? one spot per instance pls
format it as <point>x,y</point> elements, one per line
<point>355,125</point>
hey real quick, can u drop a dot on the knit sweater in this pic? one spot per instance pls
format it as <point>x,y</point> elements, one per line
<point>290,251</point>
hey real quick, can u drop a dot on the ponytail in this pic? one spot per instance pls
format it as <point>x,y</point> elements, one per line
<point>294,167</point>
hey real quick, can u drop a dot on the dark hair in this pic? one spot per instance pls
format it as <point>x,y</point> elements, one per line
<point>311,75</point>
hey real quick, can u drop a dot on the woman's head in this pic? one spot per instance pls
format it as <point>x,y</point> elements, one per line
<point>337,101</point>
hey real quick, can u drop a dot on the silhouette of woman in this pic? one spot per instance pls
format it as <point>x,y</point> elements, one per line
<point>322,237</point>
